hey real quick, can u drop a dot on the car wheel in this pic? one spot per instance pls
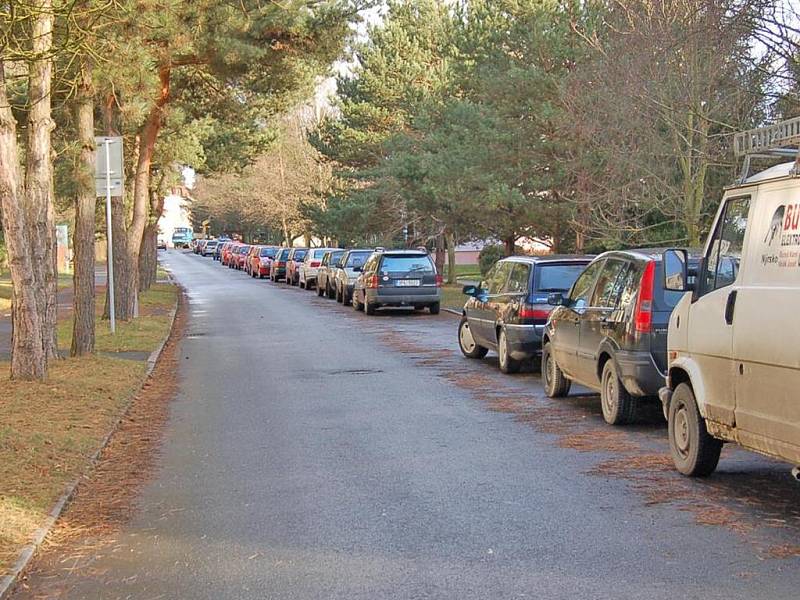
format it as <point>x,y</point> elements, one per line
<point>338,295</point>
<point>469,347</point>
<point>556,385</point>
<point>319,291</point>
<point>370,307</point>
<point>435,308</point>
<point>329,290</point>
<point>508,365</point>
<point>356,304</point>
<point>346,298</point>
<point>618,405</point>
<point>301,284</point>
<point>694,452</point>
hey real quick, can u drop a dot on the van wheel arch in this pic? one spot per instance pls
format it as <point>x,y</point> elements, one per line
<point>605,356</point>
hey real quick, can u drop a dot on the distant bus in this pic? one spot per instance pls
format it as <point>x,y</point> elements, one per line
<point>182,237</point>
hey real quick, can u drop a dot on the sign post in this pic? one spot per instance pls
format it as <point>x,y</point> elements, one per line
<point>108,181</point>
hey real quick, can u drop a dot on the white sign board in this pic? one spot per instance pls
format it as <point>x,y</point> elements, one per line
<point>113,147</point>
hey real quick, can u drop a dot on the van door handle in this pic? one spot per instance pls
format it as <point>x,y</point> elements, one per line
<point>729,307</point>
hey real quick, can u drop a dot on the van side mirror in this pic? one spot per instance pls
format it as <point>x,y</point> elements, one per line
<point>676,270</point>
<point>556,299</point>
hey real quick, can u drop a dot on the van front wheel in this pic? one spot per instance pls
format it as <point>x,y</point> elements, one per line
<point>694,451</point>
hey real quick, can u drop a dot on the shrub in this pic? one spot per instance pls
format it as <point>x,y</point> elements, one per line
<point>490,255</point>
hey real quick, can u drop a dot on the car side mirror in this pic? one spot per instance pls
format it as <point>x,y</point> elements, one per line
<point>556,299</point>
<point>676,271</point>
<point>471,290</point>
<point>357,268</point>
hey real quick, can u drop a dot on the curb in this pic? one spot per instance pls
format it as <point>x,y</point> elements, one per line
<point>8,582</point>
<point>452,311</point>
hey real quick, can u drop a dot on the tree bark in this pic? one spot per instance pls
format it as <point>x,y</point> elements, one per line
<point>141,190</point>
<point>148,254</point>
<point>39,176</point>
<point>83,303</point>
<point>28,358</point>
<point>451,257</point>
<point>120,250</point>
<point>439,255</point>
<point>510,245</point>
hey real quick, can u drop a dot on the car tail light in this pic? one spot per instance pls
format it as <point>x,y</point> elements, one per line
<point>315,263</point>
<point>439,280</point>
<point>280,263</point>
<point>372,282</point>
<point>643,314</point>
<point>535,313</point>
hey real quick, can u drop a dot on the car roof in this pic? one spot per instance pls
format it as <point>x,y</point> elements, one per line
<point>644,253</point>
<point>560,258</point>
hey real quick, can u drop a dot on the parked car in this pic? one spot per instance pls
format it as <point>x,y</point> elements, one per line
<point>507,312</point>
<point>229,254</point>
<point>610,332</point>
<point>345,274</point>
<point>293,261</point>
<point>241,256</point>
<point>309,268</point>
<point>262,261</point>
<point>278,269</point>
<point>252,253</point>
<point>398,278</point>
<point>733,369</point>
<point>209,248</point>
<point>327,270</point>
<point>161,243</point>
<point>218,252</point>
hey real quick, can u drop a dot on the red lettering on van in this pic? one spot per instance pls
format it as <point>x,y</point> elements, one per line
<point>787,222</point>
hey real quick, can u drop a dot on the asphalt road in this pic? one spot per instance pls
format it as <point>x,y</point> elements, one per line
<point>316,453</point>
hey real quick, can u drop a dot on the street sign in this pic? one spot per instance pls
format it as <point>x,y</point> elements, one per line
<point>108,176</point>
<point>109,163</point>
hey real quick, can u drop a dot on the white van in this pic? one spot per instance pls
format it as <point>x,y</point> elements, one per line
<point>734,341</point>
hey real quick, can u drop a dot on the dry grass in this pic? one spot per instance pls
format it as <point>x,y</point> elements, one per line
<point>138,335</point>
<point>49,430</point>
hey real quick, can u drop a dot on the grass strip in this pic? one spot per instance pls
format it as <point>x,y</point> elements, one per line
<point>49,430</point>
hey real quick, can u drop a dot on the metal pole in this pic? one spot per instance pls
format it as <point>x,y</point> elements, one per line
<point>110,259</point>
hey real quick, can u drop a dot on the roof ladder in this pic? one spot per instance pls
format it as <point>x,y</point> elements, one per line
<point>779,140</point>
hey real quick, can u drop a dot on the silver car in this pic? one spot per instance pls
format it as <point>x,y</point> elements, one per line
<point>309,268</point>
<point>345,277</point>
<point>327,270</point>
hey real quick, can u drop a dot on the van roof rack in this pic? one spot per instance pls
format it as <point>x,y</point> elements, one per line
<point>780,139</point>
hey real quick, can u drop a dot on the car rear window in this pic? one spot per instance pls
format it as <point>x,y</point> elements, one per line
<point>270,252</point>
<point>283,254</point>
<point>556,278</point>
<point>356,255</point>
<point>406,264</point>
<point>299,254</point>
<point>319,253</point>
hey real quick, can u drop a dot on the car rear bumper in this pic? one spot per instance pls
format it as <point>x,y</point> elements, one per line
<point>639,373</point>
<point>404,298</point>
<point>524,341</point>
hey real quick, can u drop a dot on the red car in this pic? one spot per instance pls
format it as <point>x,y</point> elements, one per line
<point>240,256</point>
<point>296,256</point>
<point>261,265</point>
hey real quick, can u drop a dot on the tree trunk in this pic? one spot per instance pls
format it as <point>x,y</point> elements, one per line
<point>148,254</point>
<point>120,249</point>
<point>83,303</point>
<point>439,255</point>
<point>28,358</point>
<point>451,257</point>
<point>141,190</point>
<point>510,245</point>
<point>39,176</point>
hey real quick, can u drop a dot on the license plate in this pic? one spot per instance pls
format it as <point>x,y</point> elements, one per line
<point>407,283</point>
